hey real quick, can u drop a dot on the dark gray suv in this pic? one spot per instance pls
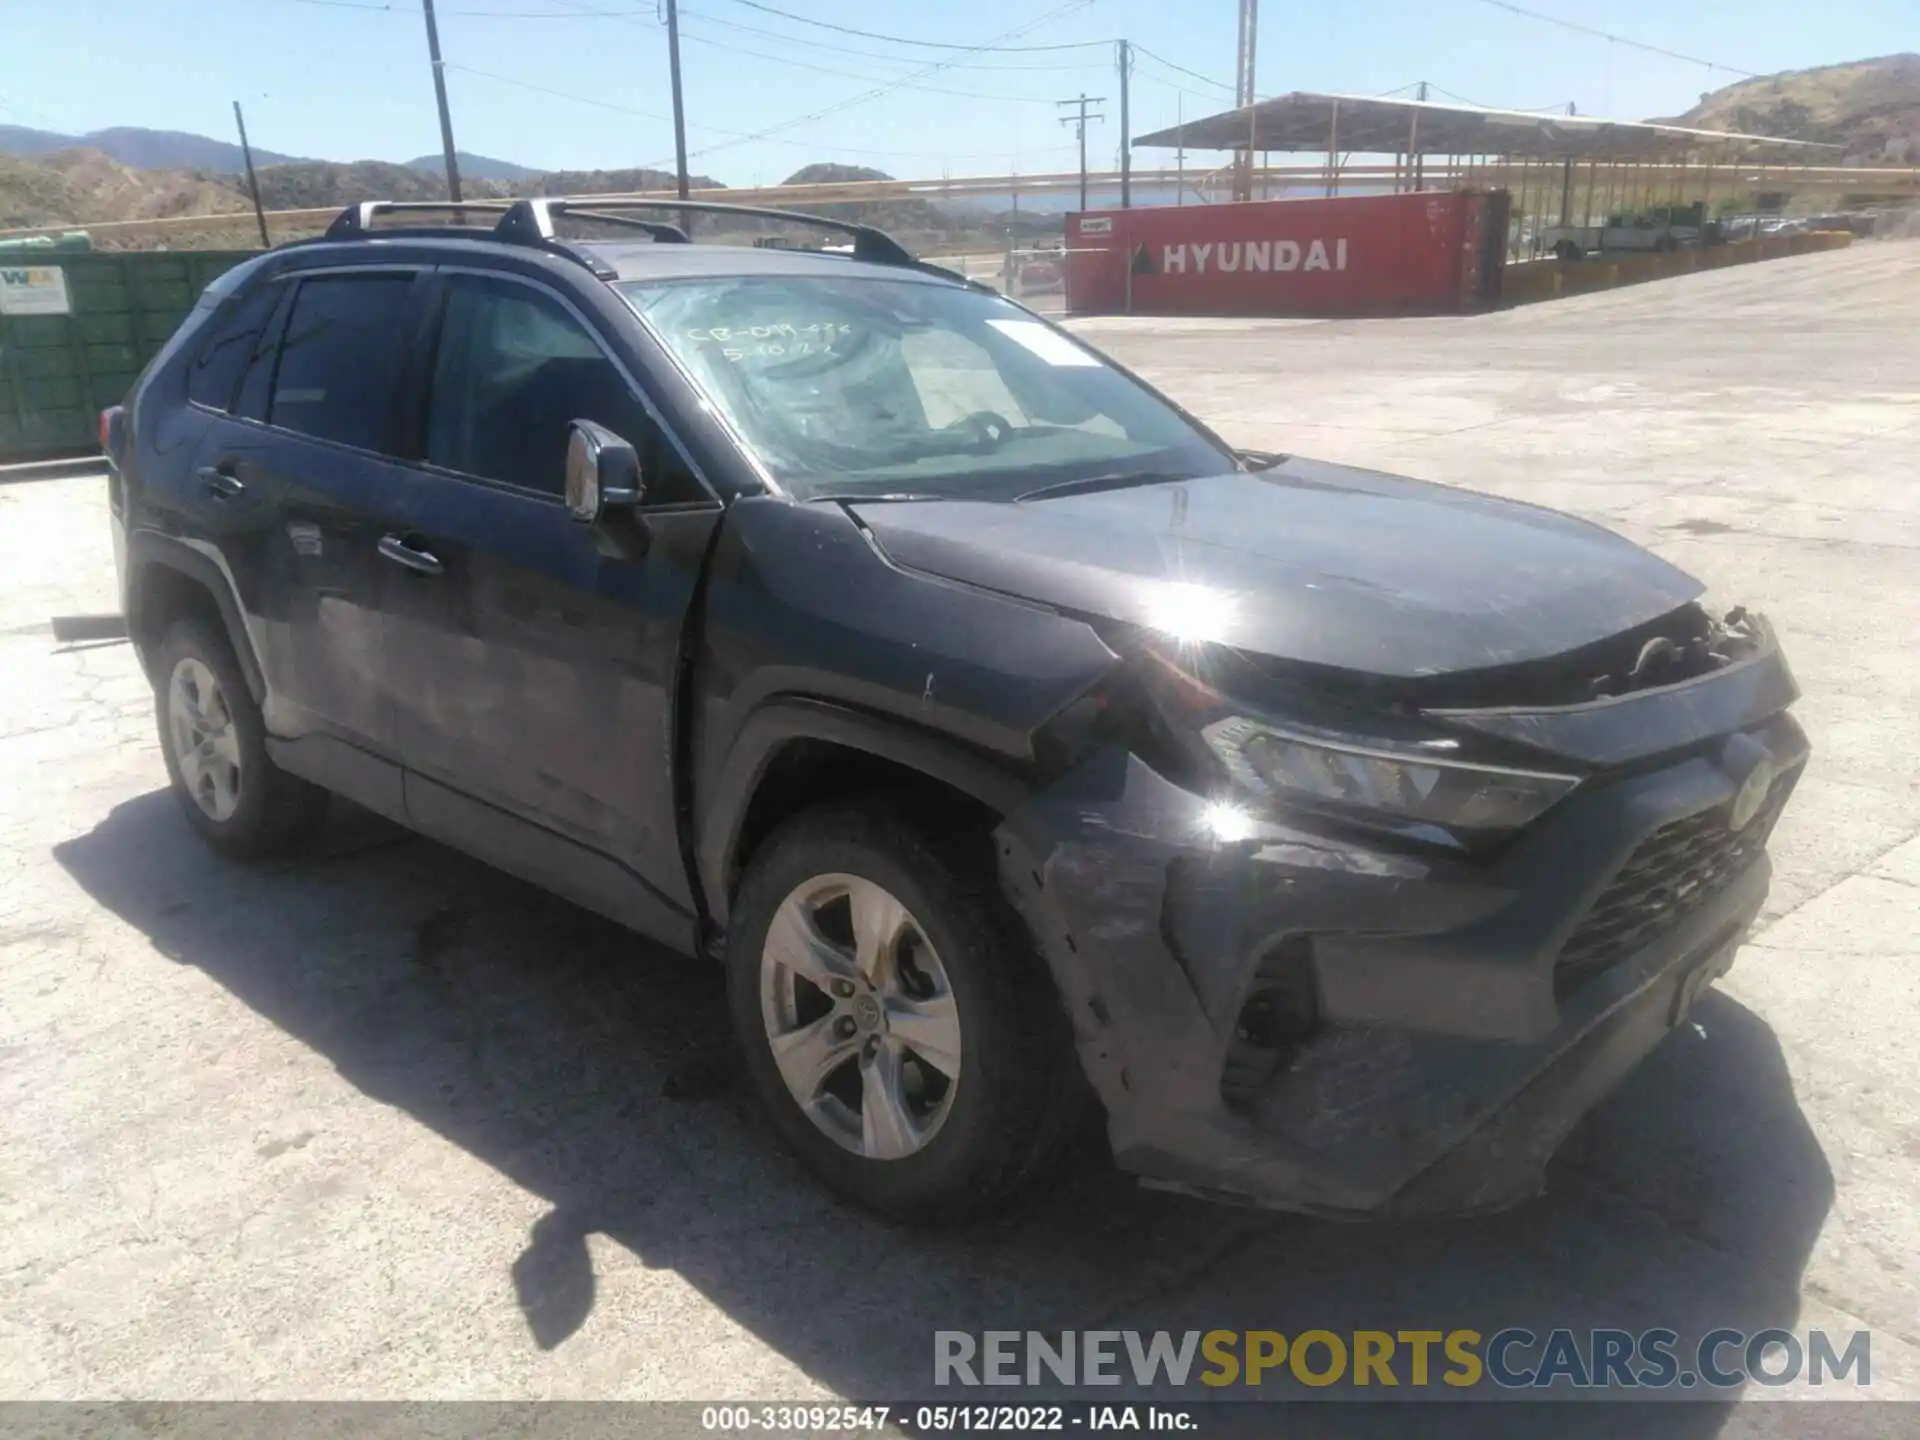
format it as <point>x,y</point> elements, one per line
<point>1021,748</point>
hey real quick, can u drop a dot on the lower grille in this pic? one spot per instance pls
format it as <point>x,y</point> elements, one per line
<point>1676,870</point>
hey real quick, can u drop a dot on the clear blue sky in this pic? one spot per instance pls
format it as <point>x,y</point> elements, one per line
<point>348,79</point>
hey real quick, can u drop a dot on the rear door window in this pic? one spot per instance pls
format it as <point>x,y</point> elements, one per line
<point>342,359</point>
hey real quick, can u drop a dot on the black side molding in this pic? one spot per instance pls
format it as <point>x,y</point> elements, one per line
<point>147,548</point>
<point>776,723</point>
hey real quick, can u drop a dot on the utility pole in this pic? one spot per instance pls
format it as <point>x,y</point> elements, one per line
<point>440,98</point>
<point>1566,184</point>
<point>679,110</point>
<point>1126,128</point>
<point>1180,155</point>
<point>1243,95</point>
<point>1417,160</point>
<point>1079,121</point>
<point>253,182</point>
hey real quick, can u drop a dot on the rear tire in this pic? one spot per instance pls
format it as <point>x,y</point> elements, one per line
<point>994,1088</point>
<point>214,742</point>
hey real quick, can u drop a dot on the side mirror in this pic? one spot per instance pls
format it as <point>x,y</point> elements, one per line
<point>603,472</point>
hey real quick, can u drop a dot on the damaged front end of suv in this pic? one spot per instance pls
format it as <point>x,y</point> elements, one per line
<point>1371,941</point>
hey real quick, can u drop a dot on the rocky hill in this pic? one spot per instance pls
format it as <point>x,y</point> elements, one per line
<point>917,222</point>
<point>80,187</point>
<point>74,186</point>
<point>141,148</point>
<point>1869,107</point>
<point>602,182</point>
<point>314,183</point>
<point>474,167</point>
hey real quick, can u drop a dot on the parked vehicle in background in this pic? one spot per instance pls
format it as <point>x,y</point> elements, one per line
<point>1014,742</point>
<point>1637,234</point>
<point>1034,272</point>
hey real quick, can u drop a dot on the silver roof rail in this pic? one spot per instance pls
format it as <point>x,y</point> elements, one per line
<point>357,220</point>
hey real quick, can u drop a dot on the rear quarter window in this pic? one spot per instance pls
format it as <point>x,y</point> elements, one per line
<point>213,375</point>
<point>191,329</point>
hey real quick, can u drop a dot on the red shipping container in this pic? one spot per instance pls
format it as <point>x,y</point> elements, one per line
<point>1359,255</point>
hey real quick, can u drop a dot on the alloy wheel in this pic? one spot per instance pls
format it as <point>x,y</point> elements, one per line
<point>859,1016</point>
<point>206,742</point>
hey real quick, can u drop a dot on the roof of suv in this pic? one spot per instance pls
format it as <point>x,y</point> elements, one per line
<point>668,253</point>
<point>652,260</point>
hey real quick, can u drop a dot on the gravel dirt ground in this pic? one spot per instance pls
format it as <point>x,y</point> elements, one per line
<point>378,1122</point>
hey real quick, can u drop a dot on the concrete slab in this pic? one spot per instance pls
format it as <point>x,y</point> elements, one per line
<point>379,1123</point>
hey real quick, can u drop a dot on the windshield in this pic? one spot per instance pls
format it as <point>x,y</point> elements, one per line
<point>863,386</point>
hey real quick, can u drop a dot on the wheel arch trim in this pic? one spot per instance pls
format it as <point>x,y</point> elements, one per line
<point>149,548</point>
<point>780,722</point>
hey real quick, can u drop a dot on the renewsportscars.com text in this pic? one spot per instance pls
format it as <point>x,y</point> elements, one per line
<point>1511,1359</point>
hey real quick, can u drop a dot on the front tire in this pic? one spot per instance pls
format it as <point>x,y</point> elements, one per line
<point>897,1025</point>
<point>214,742</point>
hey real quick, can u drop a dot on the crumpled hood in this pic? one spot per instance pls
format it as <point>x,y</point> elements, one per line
<point>1310,562</point>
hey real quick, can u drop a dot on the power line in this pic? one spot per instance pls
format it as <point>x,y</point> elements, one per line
<point>1140,49</point>
<point>584,12</point>
<point>732,49</point>
<point>464,14</point>
<point>1054,14</point>
<point>904,81</point>
<point>711,19</point>
<point>566,95</point>
<point>1617,39</point>
<point>924,44</point>
<point>1558,107</point>
<point>720,130</point>
<point>907,81</point>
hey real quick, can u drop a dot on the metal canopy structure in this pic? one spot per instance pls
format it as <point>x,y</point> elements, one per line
<point>1359,124</point>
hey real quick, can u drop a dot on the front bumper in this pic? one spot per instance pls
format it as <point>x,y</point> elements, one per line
<point>1452,1046</point>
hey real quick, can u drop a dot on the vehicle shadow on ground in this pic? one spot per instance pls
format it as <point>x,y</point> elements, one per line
<point>595,1071</point>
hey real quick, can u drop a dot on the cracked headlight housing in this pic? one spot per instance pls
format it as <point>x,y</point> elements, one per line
<point>1398,785</point>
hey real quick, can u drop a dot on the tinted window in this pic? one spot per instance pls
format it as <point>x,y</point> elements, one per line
<point>215,373</point>
<point>340,362</point>
<point>253,398</point>
<point>514,370</point>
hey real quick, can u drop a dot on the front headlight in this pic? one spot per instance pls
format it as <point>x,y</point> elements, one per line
<point>1281,765</point>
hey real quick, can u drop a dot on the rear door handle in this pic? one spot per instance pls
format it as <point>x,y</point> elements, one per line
<point>396,549</point>
<point>220,482</point>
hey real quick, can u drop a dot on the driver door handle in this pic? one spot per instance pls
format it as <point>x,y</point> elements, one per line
<point>396,549</point>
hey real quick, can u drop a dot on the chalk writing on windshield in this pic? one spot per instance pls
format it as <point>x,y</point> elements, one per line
<point>753,342</point>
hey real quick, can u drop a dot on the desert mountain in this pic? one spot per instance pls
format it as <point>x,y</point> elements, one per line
<point>474,167</point>
<point>1869,107</point>
<point>140,148</point>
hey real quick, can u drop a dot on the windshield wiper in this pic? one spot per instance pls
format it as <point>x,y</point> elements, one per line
<point>1092,484</point>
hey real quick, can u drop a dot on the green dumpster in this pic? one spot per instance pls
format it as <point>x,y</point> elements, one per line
<point>76,329</point>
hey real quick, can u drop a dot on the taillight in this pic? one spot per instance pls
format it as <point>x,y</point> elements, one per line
<point>110,419</point>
